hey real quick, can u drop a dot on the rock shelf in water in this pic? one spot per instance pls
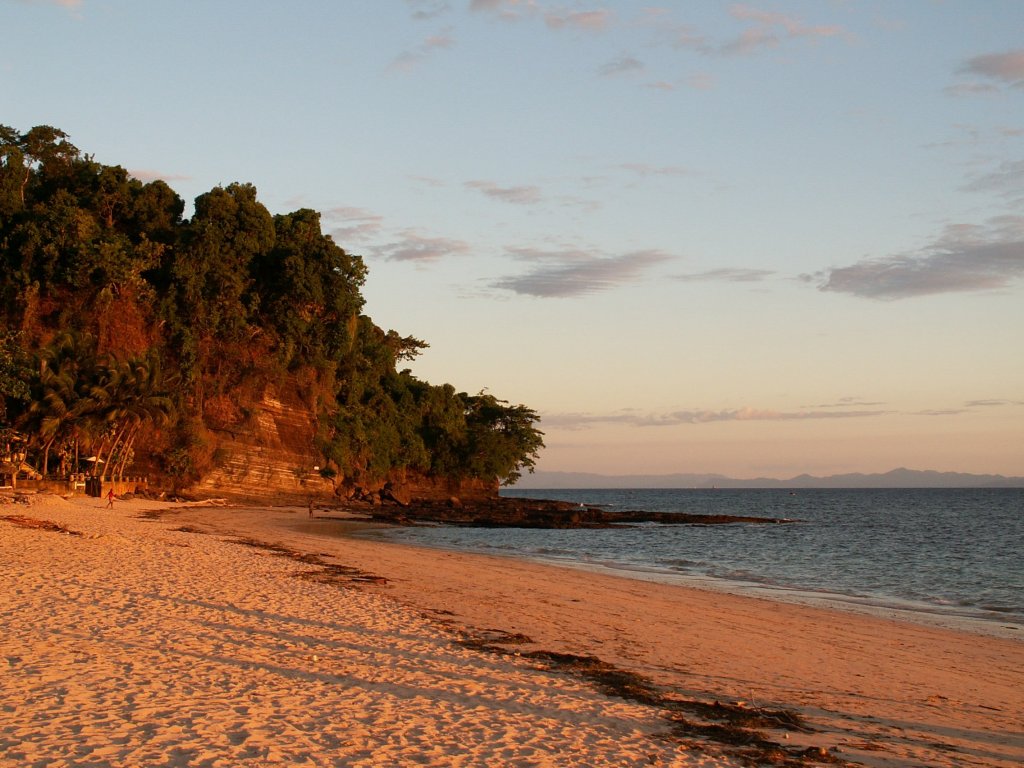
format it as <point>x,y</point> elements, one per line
<point>534,513</point>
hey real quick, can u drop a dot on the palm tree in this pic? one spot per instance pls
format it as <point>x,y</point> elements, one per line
<point>148,404</point>
<point>57,392</point>
<point>126,396</point>
<point>105,402</point>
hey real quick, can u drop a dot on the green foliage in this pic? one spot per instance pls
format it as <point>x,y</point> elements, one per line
<point>103,287</point>
<point>306,289</point>
<point>92,404</point>
<point>14,377</point>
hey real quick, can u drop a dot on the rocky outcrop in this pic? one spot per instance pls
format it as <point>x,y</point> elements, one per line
<point>506,512</point>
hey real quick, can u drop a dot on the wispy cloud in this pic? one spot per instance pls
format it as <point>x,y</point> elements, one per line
<point>645,169</point>
<point>699,81</point>
<point>1007,179</point>
<point>726,274</point>
<point>1005,67</point>
<point>991,403</point>
<point>970,89</point>
<point>560,274</point>
<point>508,10</point>
<point>846,402</point>
<point>523,195</point>
<point>966,257</point>
<point>145,175</point>
<point>623,65</point>
<point>767,29</point>
<point>428,181</point>
<point>417,247</point>
<point>556,18</point>
<point>991,71</point>
<point>698,416</point>
<point>590,21</point>
<point>69,4</point>
<point>354,224</point>
<point>425,10</point>
<point>409,60</point>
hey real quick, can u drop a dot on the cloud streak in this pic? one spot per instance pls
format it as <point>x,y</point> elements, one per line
<point>589,21</point>
<point>506,10</point>
<point>1006,67</point>
<point>409,60</point>
<point>768,29</point>
<point>146,176</point>
<point>1007,180</point>
<point>967,257</point>
<point>69,4</point>
<point>522,195</point>
<point>623,65</point>
<point>569,273</point>
<point>727,275</point>
<point>425,10</point>
<point>416,247</point>
<point>646,170</point>
<point>699,416</point>
<point>356,224</point>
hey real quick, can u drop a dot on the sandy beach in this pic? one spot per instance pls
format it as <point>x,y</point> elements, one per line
<point>168,635</point>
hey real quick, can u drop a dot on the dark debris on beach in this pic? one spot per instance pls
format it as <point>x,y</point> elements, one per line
<point>45,525</point>
<point>737,729</point>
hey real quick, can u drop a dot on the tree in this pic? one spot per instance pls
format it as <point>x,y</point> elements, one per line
<point>228,302</point>
<point>501,439</point>
<point>14,375</point>
<point>307,290</point>
<point>62,372</point>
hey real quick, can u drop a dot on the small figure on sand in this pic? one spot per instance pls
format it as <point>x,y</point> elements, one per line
<point>110,499</point>
<point>310,507</point>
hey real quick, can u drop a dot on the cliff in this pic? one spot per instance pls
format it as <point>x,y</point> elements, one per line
<point>271,457</point>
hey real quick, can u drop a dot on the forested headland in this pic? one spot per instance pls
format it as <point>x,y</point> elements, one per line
<point>129,335</point>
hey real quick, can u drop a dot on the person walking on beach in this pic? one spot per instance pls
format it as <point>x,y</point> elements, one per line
<point>110,499</point>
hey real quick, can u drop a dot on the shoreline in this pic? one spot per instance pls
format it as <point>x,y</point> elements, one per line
<point>885,693</point>
<point>877,606</point>
<point>827,663</point>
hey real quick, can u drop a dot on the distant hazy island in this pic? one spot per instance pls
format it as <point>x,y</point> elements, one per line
<point>897,478</point>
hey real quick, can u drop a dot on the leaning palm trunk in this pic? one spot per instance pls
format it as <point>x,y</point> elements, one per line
<point>46,456</point>
<point>97,467</point>
<point>126,451</point>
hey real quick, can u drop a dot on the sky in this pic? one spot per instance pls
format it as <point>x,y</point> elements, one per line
<point>753,238</point>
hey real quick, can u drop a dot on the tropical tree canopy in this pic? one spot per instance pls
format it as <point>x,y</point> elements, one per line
<point>120,318</point>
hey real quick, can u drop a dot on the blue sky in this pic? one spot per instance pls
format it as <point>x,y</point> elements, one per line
<point>751,238</point>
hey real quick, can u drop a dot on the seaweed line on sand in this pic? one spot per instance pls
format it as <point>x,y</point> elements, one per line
<point>701,726</point>
<point>46,525</point>
<point>326,573</point>
<point>731,728</point>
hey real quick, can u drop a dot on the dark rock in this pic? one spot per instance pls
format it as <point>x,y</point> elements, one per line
<point>397,493</point>
<point>503,512</point>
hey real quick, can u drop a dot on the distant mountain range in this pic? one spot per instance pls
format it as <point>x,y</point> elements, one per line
<point>897,478</point>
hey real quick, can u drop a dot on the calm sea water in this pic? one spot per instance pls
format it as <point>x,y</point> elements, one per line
<point>936,553</point>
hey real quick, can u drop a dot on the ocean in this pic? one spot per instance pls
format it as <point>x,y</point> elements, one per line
<point>953,557</point>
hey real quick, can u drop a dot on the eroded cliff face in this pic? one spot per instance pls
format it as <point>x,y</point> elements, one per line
<point>271,458</point>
